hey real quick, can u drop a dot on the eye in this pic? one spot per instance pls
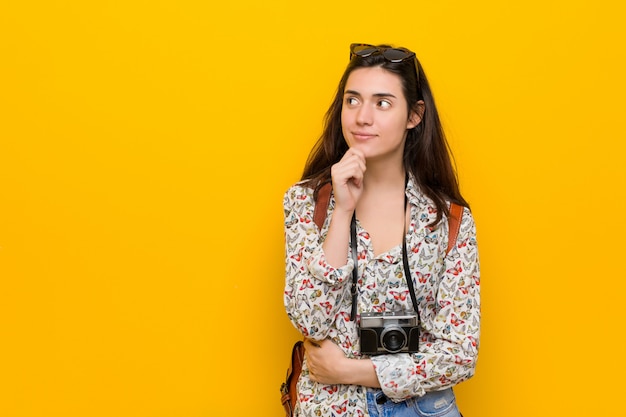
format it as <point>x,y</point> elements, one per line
<point>384,104</point>
<point>352,101</point>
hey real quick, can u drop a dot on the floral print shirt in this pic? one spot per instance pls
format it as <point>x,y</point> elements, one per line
<point>318,302</point>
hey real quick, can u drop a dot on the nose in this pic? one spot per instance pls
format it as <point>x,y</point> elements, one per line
<point>364,115</point>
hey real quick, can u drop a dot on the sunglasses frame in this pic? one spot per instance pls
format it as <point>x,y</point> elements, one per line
<point>373,49</point>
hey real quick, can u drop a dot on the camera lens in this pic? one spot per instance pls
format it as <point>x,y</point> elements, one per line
<point>393,339</point>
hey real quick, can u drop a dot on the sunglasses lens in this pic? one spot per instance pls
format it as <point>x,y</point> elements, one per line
<point>395,55</point>
<point>364,50</point>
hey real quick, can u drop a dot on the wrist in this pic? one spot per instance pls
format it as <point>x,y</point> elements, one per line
<point>340,222</point>
<point>360,372</point>
<point>343,215</point>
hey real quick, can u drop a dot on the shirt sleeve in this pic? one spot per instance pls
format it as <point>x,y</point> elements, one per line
<point>449,354</point>
<point>314,290</point>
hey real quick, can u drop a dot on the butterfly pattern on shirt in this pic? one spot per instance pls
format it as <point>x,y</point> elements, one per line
<point>318,302</point>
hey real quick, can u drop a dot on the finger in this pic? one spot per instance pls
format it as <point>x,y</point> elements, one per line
<point>355,152</point>
<point>345,170</point>
<point>357,160</point>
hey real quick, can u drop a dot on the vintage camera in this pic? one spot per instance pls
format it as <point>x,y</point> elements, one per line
<point>389,332</point>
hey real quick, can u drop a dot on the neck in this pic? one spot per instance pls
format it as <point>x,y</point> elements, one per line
<point>384,175</point>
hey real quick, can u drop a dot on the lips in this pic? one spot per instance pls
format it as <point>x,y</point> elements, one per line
<point>362,135</point>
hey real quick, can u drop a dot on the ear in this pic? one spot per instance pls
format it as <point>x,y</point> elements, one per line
<point>415,117</point>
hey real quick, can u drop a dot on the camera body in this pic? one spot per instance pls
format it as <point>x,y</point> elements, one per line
<point>389,332</point>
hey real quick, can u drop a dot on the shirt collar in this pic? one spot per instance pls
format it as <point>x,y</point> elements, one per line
<point>415,195</point>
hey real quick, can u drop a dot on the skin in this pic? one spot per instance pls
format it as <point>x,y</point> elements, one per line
<point>370,178</point>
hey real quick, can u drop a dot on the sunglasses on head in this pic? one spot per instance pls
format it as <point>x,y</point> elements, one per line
<point>364,50</point>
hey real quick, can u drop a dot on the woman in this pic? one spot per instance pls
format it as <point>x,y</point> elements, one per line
<point>384,151</point>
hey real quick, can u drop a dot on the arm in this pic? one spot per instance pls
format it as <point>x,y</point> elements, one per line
<point>328,364</point>
<point>347,177</point>
<point>314,290</point>
<point>449,356</point>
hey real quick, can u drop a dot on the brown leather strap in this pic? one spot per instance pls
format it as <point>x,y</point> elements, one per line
<point>454,225</point>
<point>289,388</point>
<point>321,205</point>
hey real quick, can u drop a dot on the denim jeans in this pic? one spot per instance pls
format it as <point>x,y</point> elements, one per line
<point>432,404</point>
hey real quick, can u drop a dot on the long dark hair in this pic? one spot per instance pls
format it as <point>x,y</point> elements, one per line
<point>427,154</point>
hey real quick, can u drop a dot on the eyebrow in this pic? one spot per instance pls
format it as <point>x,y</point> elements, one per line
<point>356,93</point>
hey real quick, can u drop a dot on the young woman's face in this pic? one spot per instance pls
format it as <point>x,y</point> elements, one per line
<point>374,115</point>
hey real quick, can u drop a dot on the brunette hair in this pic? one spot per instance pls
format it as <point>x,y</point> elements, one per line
<point>427,154</point>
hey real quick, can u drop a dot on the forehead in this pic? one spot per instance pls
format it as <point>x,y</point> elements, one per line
<point>374,80</point>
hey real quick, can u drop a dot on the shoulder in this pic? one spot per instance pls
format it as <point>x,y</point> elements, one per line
<point>299,191</point>
<point>467,226</point>
<point>298,195</point>
<point>465,212</point>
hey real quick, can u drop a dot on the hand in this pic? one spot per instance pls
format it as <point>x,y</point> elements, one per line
<point>347,177</point>
<point>324,360</point>
<point>329,365</point>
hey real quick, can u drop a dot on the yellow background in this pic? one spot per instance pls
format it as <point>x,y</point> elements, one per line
<point>145,147</point>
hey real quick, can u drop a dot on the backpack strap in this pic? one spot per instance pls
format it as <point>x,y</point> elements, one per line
<point>321,205</point>
<point>454,225</point>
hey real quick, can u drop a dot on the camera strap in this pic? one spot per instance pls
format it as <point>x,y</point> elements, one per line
<point>407,273</point>
<point>355,272</point>
<point>405,263</point>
